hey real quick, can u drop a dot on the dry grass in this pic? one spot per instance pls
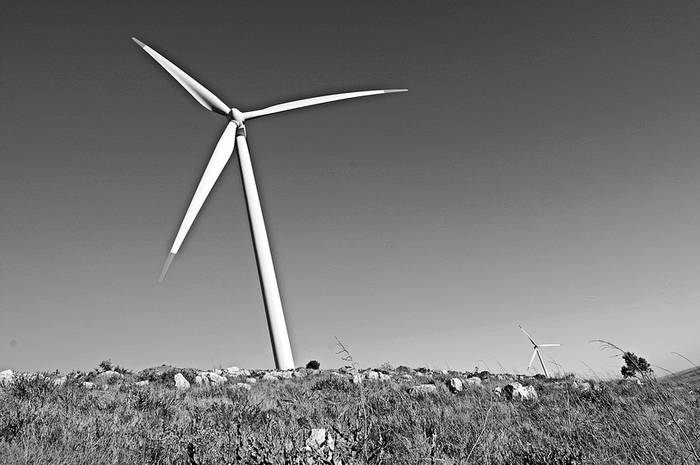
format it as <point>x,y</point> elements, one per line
<point>376,422</point>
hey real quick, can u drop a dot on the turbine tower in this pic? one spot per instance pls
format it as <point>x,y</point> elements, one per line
<point>536,352</point>
<point>234,136</point>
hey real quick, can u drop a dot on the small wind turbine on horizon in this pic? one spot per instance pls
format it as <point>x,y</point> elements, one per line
<point>536,352</point>
<point>234,136</point>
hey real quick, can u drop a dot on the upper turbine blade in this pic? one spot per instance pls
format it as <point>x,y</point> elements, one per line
<point>528,336</point>
<point>198,91</point>
<point>532,359</point>
<point>222,152</point>
<point>315,101</point>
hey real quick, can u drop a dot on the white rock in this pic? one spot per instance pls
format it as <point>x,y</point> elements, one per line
<point>6,377</point>
<point>316,438</point>
<point>372,375</point>
<point>245,386</point>
<point>356,378</point>
<point>406,376</point>
<point>422,389</point>
<point>269,377</point>
<point>474,381</point>
<point>251,380</point>
<point>498,390</point>
<point>88,385</point>
<point>142,383</point>
<point>516,391</point>
<point>455,385</point>
<point>232,370</point>
<point>321,440</point>
<point>180,382</point>
<point>60,381</point>
<point>199,381</point>
<point>216,379</point>
<point>108,375</point>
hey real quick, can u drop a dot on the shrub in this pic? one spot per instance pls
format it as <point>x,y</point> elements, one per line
<point>313,365</point>
<point>634,365</point>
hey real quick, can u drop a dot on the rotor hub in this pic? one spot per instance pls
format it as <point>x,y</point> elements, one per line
<point>236,115</point>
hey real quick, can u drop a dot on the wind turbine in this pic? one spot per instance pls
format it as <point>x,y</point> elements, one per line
<point>234,136</point>
<point>536,352</point>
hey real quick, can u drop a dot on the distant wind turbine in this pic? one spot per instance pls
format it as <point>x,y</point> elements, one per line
<point>536,352</point>
<point>234,136</point>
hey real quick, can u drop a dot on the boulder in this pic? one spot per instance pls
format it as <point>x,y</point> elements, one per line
<point>235,371</point>
<point>455,385</point>
<point>422,390</point>
<point>216,379</point>
<point>516,391</point>
<point>582,386</point>
<point>320,441</point>
<point>180,382</point>
<point>108,376</point>
<point>473,381</point>
<point>6,377</point>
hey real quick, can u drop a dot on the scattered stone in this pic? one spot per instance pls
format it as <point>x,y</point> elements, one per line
<point>581,386</point>
<point>269,377</point>
<point>516,391</point>
<point>6,377</point>
<point>422,389</point>
<point>235,371</point>
<point>180,382</point>
<point>60,381</point>
<point>245,386</point>
<point>473,381</point>
<point>455,385</point>
<point>142,383</point>
<point>251,380</point>
<point>216,379</point>
<point>336,374</point>
<point>107,376</point>
<point>321,441</point>
<point>88,385</point>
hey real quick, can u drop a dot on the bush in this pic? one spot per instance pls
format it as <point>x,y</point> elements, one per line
<point>634,365</point>
<point>313,365</point>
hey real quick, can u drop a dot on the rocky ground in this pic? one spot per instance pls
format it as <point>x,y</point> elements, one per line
<point>387,415</point>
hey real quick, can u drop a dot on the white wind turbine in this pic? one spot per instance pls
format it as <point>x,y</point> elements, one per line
<point>235,136</point>
<point>536,352</point>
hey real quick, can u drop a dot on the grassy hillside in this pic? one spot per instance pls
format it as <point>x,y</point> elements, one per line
<point>375,421</point>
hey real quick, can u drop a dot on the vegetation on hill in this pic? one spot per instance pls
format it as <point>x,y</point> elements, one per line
<point>375,421</point>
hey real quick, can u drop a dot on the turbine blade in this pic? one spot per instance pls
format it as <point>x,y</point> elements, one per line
<point>532,359</point>
<point>549,345</point>
<point>528,336</point>
<point>315,101</point>
<point>198,91</point>
<point>222,153</point>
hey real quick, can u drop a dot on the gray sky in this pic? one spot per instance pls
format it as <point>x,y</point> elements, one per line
<point>542,169</point>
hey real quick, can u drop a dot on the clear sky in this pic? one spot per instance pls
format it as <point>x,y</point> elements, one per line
<point>542,170</point>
